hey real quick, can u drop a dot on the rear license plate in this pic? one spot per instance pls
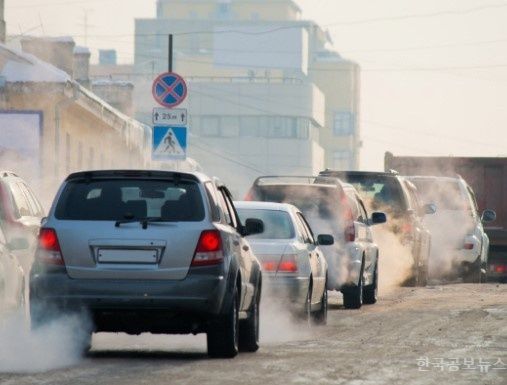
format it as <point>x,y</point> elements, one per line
<point>127,256</point>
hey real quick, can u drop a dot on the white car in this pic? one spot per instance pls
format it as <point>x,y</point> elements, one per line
<point>459,244</point>
<point>293,265</point>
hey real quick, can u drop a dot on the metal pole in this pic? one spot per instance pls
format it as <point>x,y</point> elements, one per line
<point>170,66</point>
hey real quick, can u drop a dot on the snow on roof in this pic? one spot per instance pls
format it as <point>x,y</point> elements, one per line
<point>23,67</point>
<point>55,39</point>
<point>111,82</point>
<point>80,50</point>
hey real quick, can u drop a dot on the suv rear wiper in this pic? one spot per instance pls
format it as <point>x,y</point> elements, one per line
<point>144,221</point>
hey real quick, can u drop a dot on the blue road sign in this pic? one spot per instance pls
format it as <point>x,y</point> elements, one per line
<point>169,143</point>
<point>169,89</point>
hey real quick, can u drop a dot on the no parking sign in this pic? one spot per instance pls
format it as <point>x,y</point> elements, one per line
<point>169,89</point>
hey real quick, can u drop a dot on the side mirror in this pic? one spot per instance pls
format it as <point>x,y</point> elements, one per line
<point>325,240</point>
<point>378,218</point>
<point>254,226</point>
<point>488,216</point>
<point>18,244</point>
<point>429,209</point>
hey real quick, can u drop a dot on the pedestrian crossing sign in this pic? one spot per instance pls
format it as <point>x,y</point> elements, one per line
<point>169,143</point>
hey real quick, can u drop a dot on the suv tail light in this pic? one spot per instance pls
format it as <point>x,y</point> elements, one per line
<point>209,250</point>
<point>250,196</point>
<point>407,228</point>
<point>49,251</point>
<point>350,233</point>
<point>286,264</point>
<point>348,220</point>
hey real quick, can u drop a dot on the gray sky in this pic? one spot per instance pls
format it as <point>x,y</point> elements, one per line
<point>434,78</point>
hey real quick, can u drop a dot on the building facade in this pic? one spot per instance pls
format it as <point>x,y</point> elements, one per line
<point>266,95</point>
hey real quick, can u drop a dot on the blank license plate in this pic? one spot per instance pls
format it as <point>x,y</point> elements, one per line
<point>127,256</point>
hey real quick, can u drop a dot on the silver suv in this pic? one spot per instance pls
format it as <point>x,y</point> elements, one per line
<point>149,251</point>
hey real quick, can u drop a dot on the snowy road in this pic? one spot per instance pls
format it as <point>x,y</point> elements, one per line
<point>379,344</point>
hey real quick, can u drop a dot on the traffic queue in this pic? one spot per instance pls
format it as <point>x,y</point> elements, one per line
<point>173,253</point>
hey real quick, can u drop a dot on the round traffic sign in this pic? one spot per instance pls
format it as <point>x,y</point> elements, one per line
<point>169,89</point>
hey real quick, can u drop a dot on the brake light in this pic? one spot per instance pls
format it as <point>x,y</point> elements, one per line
<point>407,228</point>
<point>350,233</point>
<point>269,266</point>
<point>49,251</point>
<point>500,269</point>
<point>286,264</point>
<point>209,249</point>
<point>250,196</point>
<point>348,219</point>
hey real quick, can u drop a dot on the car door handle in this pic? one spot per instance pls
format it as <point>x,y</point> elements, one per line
<point>246,248</point>
<point>236,243</point>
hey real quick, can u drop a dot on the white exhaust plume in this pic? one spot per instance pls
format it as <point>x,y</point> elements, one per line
<point>55,345</point>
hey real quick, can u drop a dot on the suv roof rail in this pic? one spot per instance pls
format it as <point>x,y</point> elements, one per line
<point>5,174</point>
<point>392,171</point>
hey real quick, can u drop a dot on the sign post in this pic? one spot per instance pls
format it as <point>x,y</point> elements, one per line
<point>169,140</point>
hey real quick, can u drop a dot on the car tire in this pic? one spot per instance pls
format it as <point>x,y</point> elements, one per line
<point>249,329</point>
<point>474,273</point>
<point>223,334</point>
<point>422,277</point>
<point>320,316</point>
<point>370,292</point>
<point>353,295</point>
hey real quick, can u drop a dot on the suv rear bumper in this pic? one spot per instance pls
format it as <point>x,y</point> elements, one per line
<point>198,297</point>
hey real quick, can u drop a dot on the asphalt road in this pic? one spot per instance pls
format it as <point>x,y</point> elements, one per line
<point>453,334</point>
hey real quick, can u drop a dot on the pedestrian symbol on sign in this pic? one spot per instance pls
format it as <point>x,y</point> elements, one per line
<point>169,143</point>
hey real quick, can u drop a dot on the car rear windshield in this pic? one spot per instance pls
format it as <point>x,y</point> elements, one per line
<point>445,194</point>
<point>119,199</point>
<point>313,201</point>
<point>277,224</point>
<point>378,191</point>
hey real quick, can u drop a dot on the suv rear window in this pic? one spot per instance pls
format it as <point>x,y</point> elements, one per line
<point>118,199</point>
<point>313,201</point>
<point>277,224</point>
<point>378,191</point>
<point>445,194</point>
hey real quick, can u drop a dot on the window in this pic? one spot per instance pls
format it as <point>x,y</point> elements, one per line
<point>224,9</point>
<point>80,155</point>
<point>34,206</point>
<point>21,204</point>
<point>212,197</point>
<point>308,232</point>
<point>342,159</point>
<point>91,157</point>
<point>67,152</point>
<point>117,199</point>
<point>277,224</point>
<point>210,126</point>
<point>229,126</point>
<point>227,208</point>
<point>250,126</point>
<point>343,123</point>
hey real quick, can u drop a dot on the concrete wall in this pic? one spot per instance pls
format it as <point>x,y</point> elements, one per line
<point>239,9</point>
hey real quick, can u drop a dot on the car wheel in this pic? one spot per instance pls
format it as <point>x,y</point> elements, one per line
<point>320,316</point>
<point>353,295</point>
<point>249,329</point>
<point>223,335</point>
<point>474,273</point>
<point>370,292</point>
<point>422,276</point>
